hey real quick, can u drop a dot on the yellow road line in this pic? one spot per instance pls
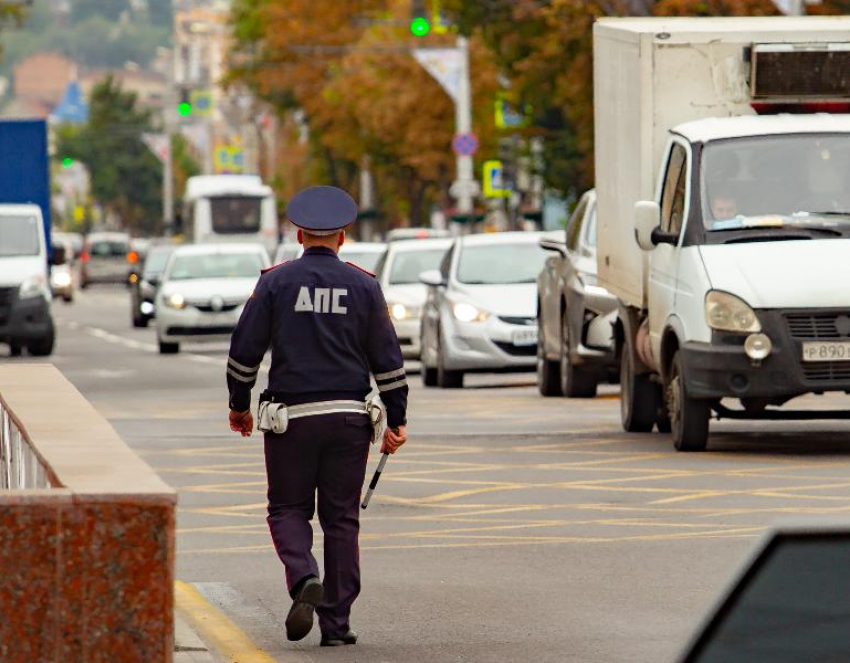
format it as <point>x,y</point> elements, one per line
<point>228,639</point>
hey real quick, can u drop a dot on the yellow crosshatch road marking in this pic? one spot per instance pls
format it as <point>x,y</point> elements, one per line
<point>590,488</point>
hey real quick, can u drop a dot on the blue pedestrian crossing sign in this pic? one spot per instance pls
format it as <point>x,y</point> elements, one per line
<point>202,102</point>
<point>493,177</point>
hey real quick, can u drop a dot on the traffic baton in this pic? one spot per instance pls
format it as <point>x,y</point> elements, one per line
<point>374,481</point>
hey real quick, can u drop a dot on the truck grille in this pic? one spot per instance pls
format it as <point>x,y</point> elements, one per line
<point>6,296</point>
<point>819,325</point>
<point>833,371</point>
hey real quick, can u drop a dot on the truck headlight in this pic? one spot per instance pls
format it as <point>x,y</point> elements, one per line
<point>725,312</point>
<point>34,286</point>
<point>468,313</point>
<point>175,300</point>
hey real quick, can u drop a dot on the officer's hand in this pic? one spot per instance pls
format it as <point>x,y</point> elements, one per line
<point>242,422</point>
<point>393,439</point>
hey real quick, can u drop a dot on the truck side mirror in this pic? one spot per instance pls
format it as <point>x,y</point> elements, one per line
<point>554,245</point>
<point>647,219</point>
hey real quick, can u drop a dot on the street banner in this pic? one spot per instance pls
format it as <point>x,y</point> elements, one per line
<point>158,144</point>
<point>445,65</point>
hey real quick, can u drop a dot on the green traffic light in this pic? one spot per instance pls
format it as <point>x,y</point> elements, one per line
<point>185,109</point>
<point>420,27</point>
<point>67,162</point>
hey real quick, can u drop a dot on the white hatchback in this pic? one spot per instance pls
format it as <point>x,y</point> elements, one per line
<point>203,291</point>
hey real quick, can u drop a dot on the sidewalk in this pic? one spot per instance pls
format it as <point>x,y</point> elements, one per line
<point>188,646</point>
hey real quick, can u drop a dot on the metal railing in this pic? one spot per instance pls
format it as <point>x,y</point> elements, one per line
<point>20,466</point>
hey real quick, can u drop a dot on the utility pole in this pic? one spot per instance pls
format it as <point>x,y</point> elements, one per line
<point>464,189</point>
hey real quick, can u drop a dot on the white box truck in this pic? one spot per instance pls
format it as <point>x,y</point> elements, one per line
<point>723,179</point>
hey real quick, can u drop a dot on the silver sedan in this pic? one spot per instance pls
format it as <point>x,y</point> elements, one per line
<point>480,314</point>
<point>576,348</point>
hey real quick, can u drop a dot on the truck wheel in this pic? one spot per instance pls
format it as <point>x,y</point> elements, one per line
<point>575,382</point>
<point>168,348</point>
<point>548,372</point>
<point>43,347</point>
<point>688,416</point>
<point>639,396</point>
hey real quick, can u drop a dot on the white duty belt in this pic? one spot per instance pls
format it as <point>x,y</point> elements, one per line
<point>275,417</point>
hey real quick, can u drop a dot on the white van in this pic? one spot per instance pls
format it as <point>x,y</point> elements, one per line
<point>25,297</point>
<point>724,215</point>
<point>230,208</point>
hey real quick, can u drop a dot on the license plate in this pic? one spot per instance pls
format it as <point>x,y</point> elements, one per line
<point>827,351</point>
<point>525,337</point>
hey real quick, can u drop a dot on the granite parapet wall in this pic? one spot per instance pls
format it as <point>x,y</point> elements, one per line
<point>87,565</point>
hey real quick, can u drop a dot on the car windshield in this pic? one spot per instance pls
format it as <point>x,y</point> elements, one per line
<point>19,236</point>
<point>775,181</point>
<point>364,259</point>
<point>408,265</point>
<point>156,261</point>
<point>232,215</point>
<point>498,264</point>
<point>215,266</point>
<point>109,248</point>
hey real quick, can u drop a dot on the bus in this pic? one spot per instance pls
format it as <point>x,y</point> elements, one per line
<point>230,208</point>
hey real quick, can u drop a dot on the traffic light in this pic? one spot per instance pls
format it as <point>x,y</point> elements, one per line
<point>184,106</point>
<point>67,162</point>
<point>420,19</point>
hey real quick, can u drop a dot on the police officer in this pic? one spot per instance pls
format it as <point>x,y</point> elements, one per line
<point>328,327</point>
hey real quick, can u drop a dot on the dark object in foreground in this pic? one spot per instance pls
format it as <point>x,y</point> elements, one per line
<point>789,605</point>
<point>375,479</point>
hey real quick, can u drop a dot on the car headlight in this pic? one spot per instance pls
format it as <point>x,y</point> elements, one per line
<point>61,279</point>
<point>468,313</point>
<point>175,300</point>
<point>725,312</point>
<point>400,311</point>
<point>34,286</point>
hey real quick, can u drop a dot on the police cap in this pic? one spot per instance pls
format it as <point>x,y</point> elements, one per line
<point>322,210</point>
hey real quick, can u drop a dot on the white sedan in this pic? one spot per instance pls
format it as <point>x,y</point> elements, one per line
<point>398,273</point>
<point>481,310</point>
<point>203,291</point>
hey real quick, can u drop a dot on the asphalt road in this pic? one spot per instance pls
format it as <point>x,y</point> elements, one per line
<point>510,528</point>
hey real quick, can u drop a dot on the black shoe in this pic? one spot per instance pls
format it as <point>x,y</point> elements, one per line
<point>299,622</point>
<point>349,638</point>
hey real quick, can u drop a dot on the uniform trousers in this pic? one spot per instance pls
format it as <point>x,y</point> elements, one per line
<point>324,454</point>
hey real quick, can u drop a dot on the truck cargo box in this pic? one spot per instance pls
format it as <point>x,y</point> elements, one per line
<point>654,74</point>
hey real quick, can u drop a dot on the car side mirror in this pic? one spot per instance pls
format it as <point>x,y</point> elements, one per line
<point>647,221</point>
<point>550,244</point>
<point>432,278</point>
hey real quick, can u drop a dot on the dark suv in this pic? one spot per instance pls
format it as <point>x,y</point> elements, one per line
<point>143,285</point>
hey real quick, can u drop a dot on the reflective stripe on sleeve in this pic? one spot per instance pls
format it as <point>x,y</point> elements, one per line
<point>393,385</point>
<point>391,374</point>
<point>241,378</point>
<point>235,364</point>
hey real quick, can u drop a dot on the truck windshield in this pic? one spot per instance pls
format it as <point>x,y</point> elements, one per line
<point>18,236</point>
<point>233,215</point>
<point>774,181</point>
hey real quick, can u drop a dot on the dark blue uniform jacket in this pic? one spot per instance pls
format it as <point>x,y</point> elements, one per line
<point>328,328</point>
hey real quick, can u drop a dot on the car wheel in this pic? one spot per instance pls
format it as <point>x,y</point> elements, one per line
<point>447,379</point>
<point>42,347</point>
<point>688,416</point>
<point>575,382</point>
<point>83,284</point>
<point>168,348</point>
<point>15,349</point>
<point>640,398</point>
<point>429,376</point>
<point>548,372</point>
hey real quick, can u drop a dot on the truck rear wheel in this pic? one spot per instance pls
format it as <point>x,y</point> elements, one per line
<point>639,396</point>
<point>688,417</point>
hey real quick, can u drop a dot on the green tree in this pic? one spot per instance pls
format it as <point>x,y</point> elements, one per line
<point>126,177</point>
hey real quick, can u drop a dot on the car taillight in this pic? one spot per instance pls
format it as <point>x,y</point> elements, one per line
<point>84,256</point>
<point>132,257</point>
